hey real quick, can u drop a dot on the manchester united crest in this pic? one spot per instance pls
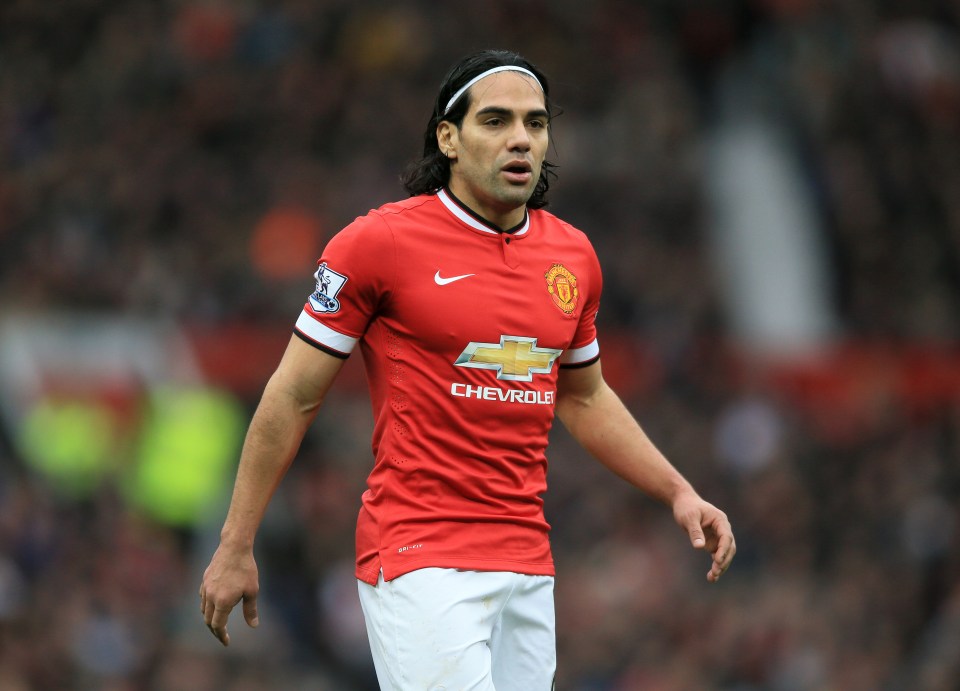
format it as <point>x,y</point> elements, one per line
<point>562,286</point>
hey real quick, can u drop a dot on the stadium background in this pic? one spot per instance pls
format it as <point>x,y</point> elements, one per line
<point>773,187</point>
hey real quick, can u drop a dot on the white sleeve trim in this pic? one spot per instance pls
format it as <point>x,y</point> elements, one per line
<point>575,356</point>
<point>324,335</point>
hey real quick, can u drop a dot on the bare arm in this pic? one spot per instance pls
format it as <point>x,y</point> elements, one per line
<point>598,420</point>
<point>289,403</point>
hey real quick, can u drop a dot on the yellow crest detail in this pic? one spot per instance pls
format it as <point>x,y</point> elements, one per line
<point>562,286</point>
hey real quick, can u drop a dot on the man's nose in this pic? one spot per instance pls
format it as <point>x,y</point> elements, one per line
<point>519,138</point>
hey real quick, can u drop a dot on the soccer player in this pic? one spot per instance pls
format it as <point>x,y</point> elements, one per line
<point>474,310</point>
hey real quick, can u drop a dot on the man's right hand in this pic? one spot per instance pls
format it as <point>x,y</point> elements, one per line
<point>231,577</point>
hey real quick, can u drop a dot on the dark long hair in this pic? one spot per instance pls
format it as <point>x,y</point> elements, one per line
<point>432,171</point>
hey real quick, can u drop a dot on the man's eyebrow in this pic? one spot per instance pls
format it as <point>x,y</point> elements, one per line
<point>500,110</point>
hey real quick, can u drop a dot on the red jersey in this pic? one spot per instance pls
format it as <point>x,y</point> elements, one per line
<point>463,329</point>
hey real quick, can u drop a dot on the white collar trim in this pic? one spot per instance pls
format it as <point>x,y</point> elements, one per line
<point>473,222</point>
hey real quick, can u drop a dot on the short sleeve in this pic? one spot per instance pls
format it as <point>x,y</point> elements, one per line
<point>354,277</point>
<point>585,348</point>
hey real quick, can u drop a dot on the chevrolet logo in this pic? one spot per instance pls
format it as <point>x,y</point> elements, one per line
<point>515,358</point>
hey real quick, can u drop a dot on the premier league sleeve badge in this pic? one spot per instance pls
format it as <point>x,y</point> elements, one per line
<point>329,283</point>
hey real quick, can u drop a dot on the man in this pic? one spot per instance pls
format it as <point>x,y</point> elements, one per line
<point>474,310</point>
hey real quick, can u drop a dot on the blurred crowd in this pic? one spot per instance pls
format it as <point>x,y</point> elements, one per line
<point>186,160</point>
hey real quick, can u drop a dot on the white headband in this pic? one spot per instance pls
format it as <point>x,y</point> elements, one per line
<point>484,75</point>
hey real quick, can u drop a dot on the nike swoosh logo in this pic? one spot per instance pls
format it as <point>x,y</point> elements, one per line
<point>441,281</point>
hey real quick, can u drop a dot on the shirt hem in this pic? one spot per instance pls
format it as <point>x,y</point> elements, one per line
<point>391,572</point>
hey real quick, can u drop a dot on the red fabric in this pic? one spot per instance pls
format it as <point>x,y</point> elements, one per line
<point>459,450</point>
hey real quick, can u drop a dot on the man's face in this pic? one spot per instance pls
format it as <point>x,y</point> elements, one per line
<point>497,153</point>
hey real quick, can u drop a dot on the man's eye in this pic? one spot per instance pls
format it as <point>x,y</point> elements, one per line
<point>537,124</point>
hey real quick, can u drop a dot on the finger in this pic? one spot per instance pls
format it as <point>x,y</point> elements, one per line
<point>726,548</point>
<point>722,558</point>
<point>209,612</point>
<point>250,610</point>
<point>715,528</point>
<point>221,635</point>
<point>695,531</point>
<point>717,569</point>
<point>218,624</point>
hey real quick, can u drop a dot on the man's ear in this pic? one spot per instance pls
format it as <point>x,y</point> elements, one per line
<point>448,138</point>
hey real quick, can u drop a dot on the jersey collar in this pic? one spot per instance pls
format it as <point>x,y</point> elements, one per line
<point>458,209</point>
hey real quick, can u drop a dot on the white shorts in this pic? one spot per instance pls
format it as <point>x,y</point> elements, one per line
<point>445,629</point>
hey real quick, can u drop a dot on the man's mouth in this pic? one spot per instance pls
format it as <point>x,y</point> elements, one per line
<point>518,172</point>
